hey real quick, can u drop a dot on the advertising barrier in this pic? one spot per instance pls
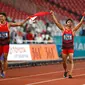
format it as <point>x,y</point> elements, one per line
<point>43,52</point>
<point>19,52</point>
<point>32,52</point>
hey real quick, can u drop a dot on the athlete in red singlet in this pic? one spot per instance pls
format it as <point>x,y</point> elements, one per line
<point>67,41</point>
<point>68,32</point>
<point>5,40</point>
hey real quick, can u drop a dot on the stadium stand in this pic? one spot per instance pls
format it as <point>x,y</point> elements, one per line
<point>12,12</point>
<point>62,8</point>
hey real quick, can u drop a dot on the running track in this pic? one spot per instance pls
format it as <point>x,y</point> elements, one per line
<point>44,75</point>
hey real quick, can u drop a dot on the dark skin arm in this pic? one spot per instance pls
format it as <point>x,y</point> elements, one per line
<point>56,21</point>
<point>79,25</point>
<point>11,24</point>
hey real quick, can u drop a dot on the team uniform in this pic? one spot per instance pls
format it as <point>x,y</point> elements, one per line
<point>67,41</point>
<point>4,38</point>
<point>67,44</point>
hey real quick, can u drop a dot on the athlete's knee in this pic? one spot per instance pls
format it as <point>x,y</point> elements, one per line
<point>5,56</point>
<point>0,62</point>
<point>71,61</point>
<point>64,61</point>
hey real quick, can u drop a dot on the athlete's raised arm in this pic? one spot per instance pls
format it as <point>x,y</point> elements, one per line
<point>79,24</point>
<point>18,23</point>
<point>56,21</point>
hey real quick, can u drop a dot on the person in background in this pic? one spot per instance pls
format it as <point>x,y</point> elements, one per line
<point>29,36</point>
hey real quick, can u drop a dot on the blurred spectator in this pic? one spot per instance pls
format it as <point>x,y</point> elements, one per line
<point>29,35</point>
<point>13,35</point>
<point>50,40</point>
<point>82,32</point>
<point>38,36</point>
<point>19,38</point>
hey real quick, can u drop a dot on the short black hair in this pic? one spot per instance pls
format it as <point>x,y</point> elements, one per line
<point>3,13</point>
<point>69,20</point>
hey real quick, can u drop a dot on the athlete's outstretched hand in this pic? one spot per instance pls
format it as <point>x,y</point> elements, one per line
<point>80,23</point>
<point>83,14</point>
<point>60,26</point>
<point>52,13</point>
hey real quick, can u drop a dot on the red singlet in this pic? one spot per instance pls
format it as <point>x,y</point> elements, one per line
<point>67,41</point>
<point>4,38</point>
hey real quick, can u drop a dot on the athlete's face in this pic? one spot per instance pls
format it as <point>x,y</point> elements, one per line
<point>2,18</point>
<point>69,23</point>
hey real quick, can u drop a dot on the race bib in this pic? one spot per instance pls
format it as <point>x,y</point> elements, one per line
<point>67,37</point>
<point>3,35</point>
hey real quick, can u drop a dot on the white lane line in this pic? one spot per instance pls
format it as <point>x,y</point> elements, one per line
<point>45,81</point>
<point>41,82</point>
<point>42,74</point>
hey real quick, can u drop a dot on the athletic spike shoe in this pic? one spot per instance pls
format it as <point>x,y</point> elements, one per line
<point>2,75</point>
<point>69,76</point>
<point>65,74</point>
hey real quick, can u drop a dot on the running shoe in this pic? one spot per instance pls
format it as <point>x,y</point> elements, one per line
<point>69,76</point>
<point>65,74</point>
<point>2,75</point>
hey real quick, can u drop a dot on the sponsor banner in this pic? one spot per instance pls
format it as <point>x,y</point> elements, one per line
<point>79,46</point>
<point>43,52</point>
<point>19,52</point>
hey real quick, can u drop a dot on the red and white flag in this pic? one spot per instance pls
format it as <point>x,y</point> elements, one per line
<point>34,16</point>
<point>42,13</point>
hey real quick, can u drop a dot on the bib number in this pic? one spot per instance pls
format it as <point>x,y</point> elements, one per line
<point>67,37</point>
<point>3,35</point>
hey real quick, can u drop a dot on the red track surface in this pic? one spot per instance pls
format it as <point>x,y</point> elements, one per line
<point>44,75</point>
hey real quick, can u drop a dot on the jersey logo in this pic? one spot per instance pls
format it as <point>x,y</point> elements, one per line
<point>4,35</point>
<point>67,37</point>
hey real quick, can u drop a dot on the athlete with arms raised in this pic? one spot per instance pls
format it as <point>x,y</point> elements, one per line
<point>68,33</point>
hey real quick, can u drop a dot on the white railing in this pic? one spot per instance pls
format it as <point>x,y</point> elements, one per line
<point>37,42</point>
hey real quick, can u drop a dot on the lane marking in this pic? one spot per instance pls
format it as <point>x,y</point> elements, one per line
<point>45,81</point>
<point>41,82</point>
<point>42,74</point>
